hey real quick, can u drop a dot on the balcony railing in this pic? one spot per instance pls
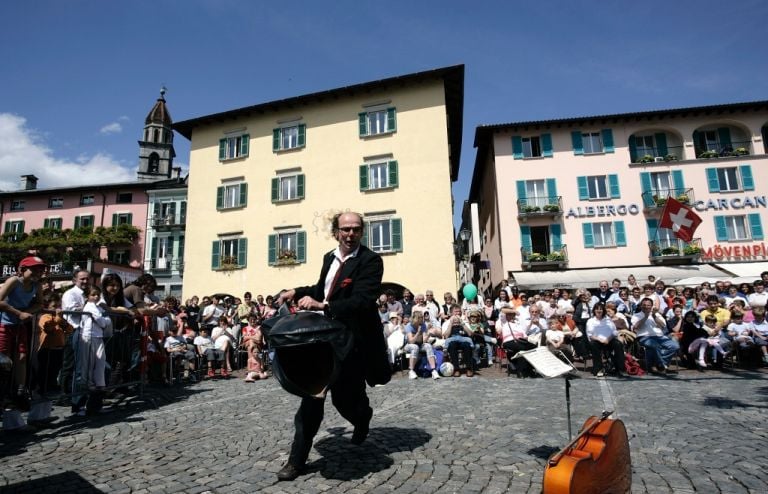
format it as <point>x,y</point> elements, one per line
<point>164,265</point>
<point>654,154</point>
<point>556,258</point>
<point>674,251</point>
<point>717,150</point>
<point>657,198</point>
<point>544,207</point>
<point>168,221</point>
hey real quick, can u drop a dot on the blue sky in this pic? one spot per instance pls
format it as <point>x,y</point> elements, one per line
<point>78,77</point>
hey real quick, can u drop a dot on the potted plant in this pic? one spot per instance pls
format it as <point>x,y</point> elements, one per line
<point>531,209</point>
<point>556,256</point>
<point>536,257</point>
<point>692,250</point>
<point>286,256</point>
<point>708,154</point>
<point>228,263</point>
<point>684,198</point>
<point>551,208</point>
<point>670,157</point>
<point>670,251</point>
<point>660,201</point>
<point>646,159</point>
<point>740,151</point>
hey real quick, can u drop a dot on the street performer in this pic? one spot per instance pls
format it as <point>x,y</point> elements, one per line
<point>349,283</point>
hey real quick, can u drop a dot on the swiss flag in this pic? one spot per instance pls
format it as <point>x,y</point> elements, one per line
<point>681,219</point>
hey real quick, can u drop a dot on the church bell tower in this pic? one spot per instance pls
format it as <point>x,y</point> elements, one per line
<point>156,151</point>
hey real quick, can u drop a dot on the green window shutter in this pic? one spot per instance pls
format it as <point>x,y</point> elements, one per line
<point>275,189</point>
<point>46,223</point>
<point>219,197</point>
<point>216,255</point>
<point>114,219</point>
<point>652,225</point>
<point>747,183</point>
<point>301,246</point>
<point>275,139</point>
<point>392,168</point>
<point>129,220</point>
<point>156,210</point>
<point>607,141</point>
<point>546,145</point>
<point>712,181</point>
<point>391,120</point>
<point>363,121</point>
<point>396,226</point>
<point>364,240</point>
<point>724,136</point>
<point>721,231</point>
<point>300,186</point>
<point>153,249</point>
<point>170,246</point>
<point>244,141</point>
<point>302,139</point>
<point>525,239</point>
<point>581,182</point>
<point>677,181</point>
<point>555,236</point>
<point>272,249</point>
<point>551,191</point>
<point>363,177</point>
<point>172,210</point>
<point>517,147</point>
<point>632,149</point>
<point>521,192</point>
<point>661,144</point>
<point>589,239</point>
<point>699,142</point>
<point>180,254</point>
<point>242,252</point>
<point>620,233</point>
<point>183,213</point>
<point>243,194</point>
<point>21,226</point>
<point>755,226</point>
<point>645,188</point>
<point>613,185</point>
<point>77,222</point>
<point>7,227</point>
<point>578,145</point>
<point>222,149</point>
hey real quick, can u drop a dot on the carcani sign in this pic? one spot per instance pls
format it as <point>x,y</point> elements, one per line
<point>733,203</point>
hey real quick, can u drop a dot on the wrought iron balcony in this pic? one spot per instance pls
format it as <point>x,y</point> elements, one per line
<point>674,251</point>
<point>163,266</point>
<point>656,155</point>
<point>555,258</point>
<point>656,199</point>
<point>168,222</point>
<point>540,207</point>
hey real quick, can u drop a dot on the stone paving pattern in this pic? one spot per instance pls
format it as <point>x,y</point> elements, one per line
<point>694,432</point>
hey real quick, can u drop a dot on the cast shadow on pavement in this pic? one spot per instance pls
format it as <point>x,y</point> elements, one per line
<point>342,460</point>
<point>60,482</point>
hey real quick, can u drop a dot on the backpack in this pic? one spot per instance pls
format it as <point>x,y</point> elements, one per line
<point>632,366</point>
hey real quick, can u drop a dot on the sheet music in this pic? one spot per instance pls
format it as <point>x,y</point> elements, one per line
<point>545,362</point>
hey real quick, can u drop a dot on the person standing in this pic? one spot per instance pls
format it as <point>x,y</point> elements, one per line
<point>73,300</point>
<point>347,290</point>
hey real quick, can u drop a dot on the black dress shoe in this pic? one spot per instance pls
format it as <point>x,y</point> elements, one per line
<point>289,472</point>
<point>361,430</point>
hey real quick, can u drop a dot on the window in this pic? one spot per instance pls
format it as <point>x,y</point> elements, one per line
<point>536,193</point>
<point>378,175</point>
<point>17,205</point>
<point>644,146</point>
<point>531,146</point>
<point>124,197</point>
<point>592,142</point>
<point>662,183</point>
<point>288,188</point>
<point>229,253</point>
<point>232,196</point>
<point>287,248</point>
<point>154,163</point>
<point>85,221</point>
<point>291,137</point>
<point>87,199</point>
<point>598,187</point>
<point>117,256</point>
<point>604,234</point>
<point>738,227</point>
<point>377,122</point>
<point>384,235</point>
<point>233,147</point>
<point>13,230</point>
<point>56,202</point>
<point>53,223</point>
<point>161,253</point>
<point>122,219</point>
<point>732,178</point>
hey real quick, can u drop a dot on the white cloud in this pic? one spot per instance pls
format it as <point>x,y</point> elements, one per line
<point>23,151</point>
<point>112,128</point>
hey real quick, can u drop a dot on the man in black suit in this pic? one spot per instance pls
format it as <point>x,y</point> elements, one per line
<point>349,284</point>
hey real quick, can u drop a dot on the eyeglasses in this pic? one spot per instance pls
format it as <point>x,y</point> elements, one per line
<point>351,229</point>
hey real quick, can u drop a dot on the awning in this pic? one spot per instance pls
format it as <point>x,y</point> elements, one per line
<point>590,278</point>
<point>745,269</point>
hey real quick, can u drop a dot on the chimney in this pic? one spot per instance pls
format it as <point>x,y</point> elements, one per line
<point>28,182</point>
<point>176,172</point>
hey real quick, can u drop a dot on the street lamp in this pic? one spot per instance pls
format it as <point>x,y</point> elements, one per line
<point>465,234</point>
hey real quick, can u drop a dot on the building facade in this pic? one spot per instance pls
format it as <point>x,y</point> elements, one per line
<point>266,180</point>
<point>568,202</point>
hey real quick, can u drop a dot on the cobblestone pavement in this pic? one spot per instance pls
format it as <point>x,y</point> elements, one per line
<point>693,432</point>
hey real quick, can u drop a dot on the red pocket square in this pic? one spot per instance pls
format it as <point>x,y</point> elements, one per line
<point>345,282</point>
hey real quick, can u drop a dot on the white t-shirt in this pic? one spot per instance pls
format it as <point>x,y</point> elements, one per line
<point>649,327</point>
<point>203,342</point>
<point>758,299</point>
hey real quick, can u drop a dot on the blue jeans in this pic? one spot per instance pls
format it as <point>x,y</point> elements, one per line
<point>659,350</point>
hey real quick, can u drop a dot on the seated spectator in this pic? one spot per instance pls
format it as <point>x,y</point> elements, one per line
<point>626,335</point>
<point>384,313</point>
<point>741,331</point>
<point>713,308</point>
<point>480,338</point>
<point>604,338</point>
<point>396,338</point>
<point>514,340</point>
<point>675,322</point>
<point>695,339</point>
<point>417,334</point>
<point>176,347</point>
<point>733,294</point>
<point>207,349</point>
<point>491,313</point>
<point>458,337</point>
<point>649,326</point>
<point>254,343</point>
<point>557,340</point>
<point>758,298</point>
<point>224,340</point>
<point>761,330</point>
<point>434,329</point>
<point>534,325</point>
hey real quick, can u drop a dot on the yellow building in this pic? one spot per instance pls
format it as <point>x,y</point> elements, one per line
<point>265,180</point>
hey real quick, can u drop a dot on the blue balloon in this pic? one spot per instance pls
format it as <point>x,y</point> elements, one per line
<point>470,291</point>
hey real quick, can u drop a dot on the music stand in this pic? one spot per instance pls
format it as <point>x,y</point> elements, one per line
<point>548,366</point>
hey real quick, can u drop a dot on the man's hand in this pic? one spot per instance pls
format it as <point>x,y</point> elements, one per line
<point>25,316</point>
<point>287,295</point>
<point>308,303</point>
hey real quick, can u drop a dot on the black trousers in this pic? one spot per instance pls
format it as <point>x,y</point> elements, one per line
<point>347,395</point>
<point>614,348</point>
<point>512,347</point>
<point>68,365</point>
<point>48,365</point>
